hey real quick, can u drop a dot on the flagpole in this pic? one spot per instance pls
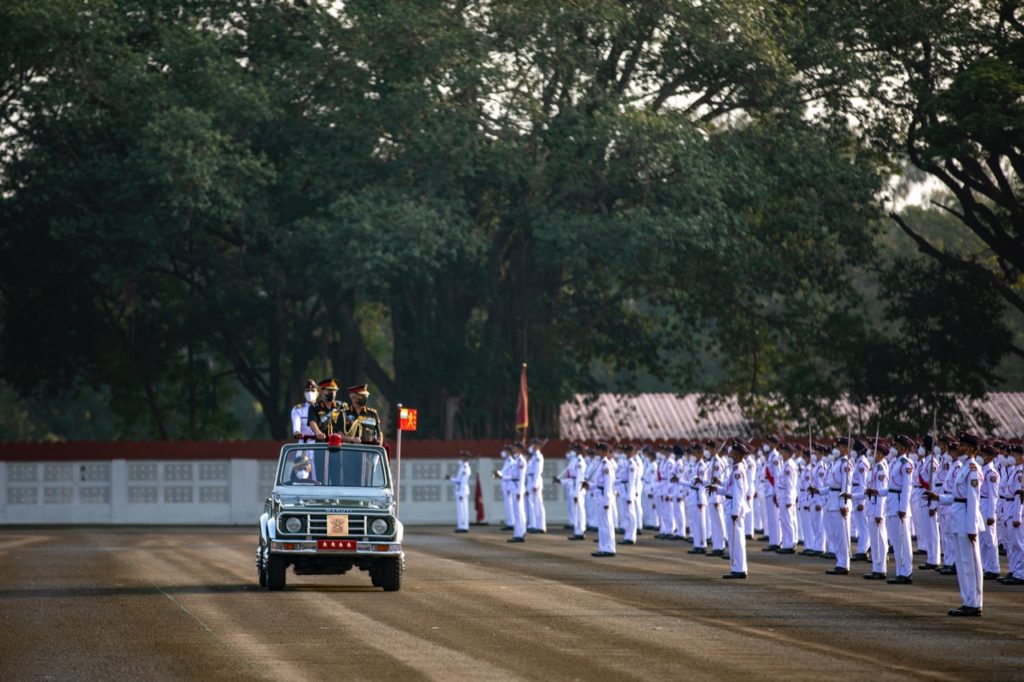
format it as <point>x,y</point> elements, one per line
<point>398,455</point>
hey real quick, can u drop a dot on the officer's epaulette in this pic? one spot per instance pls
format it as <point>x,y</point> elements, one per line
<point>299,405</point>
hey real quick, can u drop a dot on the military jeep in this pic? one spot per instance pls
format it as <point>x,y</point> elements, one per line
<point>332,509</point>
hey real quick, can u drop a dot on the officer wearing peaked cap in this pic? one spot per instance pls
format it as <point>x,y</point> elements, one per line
<point>362,423</point>
<point>323,418</point>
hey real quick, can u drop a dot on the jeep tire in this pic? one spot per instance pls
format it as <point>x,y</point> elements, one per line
<point>389,574</point>
<point>276,567</point>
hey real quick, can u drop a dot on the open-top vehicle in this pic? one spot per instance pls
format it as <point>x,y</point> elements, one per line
<point>332,509</point>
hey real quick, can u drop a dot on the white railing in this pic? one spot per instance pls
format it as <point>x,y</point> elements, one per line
<point>219,492</point>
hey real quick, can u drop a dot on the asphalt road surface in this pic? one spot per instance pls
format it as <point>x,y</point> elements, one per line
<point>183,603</point>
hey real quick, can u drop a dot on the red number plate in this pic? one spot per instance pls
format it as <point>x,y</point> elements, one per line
<point>340,545</point>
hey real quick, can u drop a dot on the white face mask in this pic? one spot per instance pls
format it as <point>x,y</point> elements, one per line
<point>764,448</point>
<point>814,459</point>
<point>936,451</point>
<point>920,451</point>
<point>835,453</point>
<point>707,455</point>
<point>302,474</point>
<point>310,396</point>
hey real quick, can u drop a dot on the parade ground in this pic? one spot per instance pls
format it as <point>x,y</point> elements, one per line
<point>184,603</point>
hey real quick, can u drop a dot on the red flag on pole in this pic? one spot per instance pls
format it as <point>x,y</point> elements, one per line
<point>479,500</point>
<point>522,406</point>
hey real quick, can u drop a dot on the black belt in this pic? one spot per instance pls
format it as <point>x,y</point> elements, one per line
<point>960,499</point>
<point>601,488</point>
<point>895,491</point>
<point>836,490</point>
<point>1008,499</point>
<point>514,480</point>
<point>728,497</point>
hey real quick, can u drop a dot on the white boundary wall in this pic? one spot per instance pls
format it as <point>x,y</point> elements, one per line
<point>221,492</point>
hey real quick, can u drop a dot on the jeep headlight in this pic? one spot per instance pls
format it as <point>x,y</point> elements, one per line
<point>379,526</point>
<point>293,524</point>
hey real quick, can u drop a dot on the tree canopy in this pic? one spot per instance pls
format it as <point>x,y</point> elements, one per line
<point>206,195</point>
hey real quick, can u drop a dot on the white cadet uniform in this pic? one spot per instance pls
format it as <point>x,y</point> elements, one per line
<point>785,493</point>
<point>517,480</point>
<point>877,482</point>
<point>837,524</point>
<point>696,502</point>
<point>948,473</point>
<point>926,509</point>
<point>650,515</point>
<point>536,516</point>
<point>735,501</point>
<point>898,502</point>
<point>568,485</point>
<point>507,495</point>
<point>604,485</point>
<point>577,495</point>
<point>719,472</point>
<point>963,497</point>
<point>859,516</point>
<point>1015,514</point>
<point>460,486</point>
<point>988,537</point>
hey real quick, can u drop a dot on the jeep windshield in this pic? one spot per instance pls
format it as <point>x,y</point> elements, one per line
<point>316,465</point>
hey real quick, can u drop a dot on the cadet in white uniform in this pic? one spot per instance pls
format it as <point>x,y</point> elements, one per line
<point>735,500</point>
<point>460,485</point>
<point>604,486</point>
<point>924,504</point>
<point>566,479</point>
<point>837,511</point>
<point>785,495</point>
<point>536,515</point>
<point>963,498</point>
<point>516,477</point>
<point>897,511</point>
<point>989,539</point>
<point>696,495</point>
<point>1014,532</point>
<point>876,486</point>
<point>862,464</point>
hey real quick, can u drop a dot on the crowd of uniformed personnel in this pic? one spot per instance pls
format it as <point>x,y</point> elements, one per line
<point>955,501</point>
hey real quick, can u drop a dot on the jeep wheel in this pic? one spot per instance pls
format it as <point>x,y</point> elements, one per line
<point>276,567</point>
<point>375,575</point>
<point>260,566</point>
<point>389,574</point>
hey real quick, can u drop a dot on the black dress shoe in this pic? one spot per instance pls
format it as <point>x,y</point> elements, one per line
<point>770,548</point>
<point>750,537</point>
<point>838,570</point>
<point>532,530</point>
<point>508,527</point>
<point>968,611</point>
<point>921,552</point>
<point>988,575</point>
<point>874,576</point>
<point>735,575</point>
<point>577,537</point>
<point>947,570</point>
<point>901,580</point>
<point>518,539</point>
<point>697,550</point>
<point>602,554</point>
<point>787,550</point>
<point>717,552</point>
<point>626,542</point>
<point>567,527</point>
<point>461,530</point>
<point>1012,580</point>
<point>859,556</point>
<point>928,567</point>
<point>828,555</point>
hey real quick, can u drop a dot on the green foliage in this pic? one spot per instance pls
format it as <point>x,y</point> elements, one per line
<point>207,196</point>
